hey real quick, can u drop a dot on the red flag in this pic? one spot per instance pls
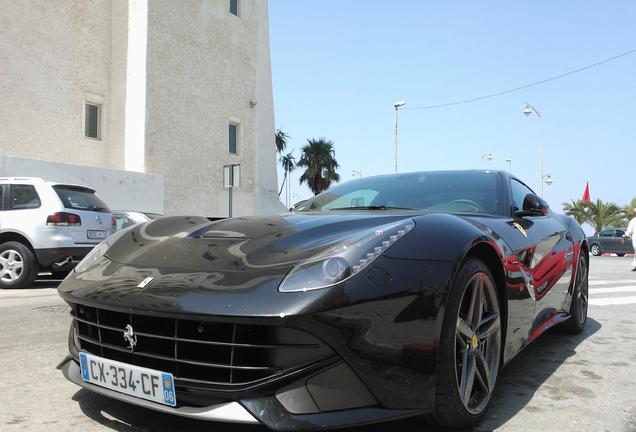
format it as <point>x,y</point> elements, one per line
<point>586,194</point>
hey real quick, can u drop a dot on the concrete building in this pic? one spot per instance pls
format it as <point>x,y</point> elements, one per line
<point>131,88</point>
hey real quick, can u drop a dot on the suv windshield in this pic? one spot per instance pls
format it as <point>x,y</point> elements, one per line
<point>79,198</point>
<point>454,192</point>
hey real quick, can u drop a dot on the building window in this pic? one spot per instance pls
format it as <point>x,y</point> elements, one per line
<point>234,7</point>
<point>92,120</point>
<point>233,138</point>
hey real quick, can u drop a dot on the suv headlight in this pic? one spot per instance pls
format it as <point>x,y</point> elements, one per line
<point>341,262</point>
<point>97,254</point>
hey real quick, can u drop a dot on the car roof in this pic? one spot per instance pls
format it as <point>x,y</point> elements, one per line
<point>39,180</point>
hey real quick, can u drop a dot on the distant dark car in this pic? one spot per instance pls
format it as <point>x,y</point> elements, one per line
<point>610,240</point>
<point>380,298</point>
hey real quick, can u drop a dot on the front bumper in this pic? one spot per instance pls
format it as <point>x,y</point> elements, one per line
<point>225,412</point>
<point>384,332</point>
<point>268,411</point>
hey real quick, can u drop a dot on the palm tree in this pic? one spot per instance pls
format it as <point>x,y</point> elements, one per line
<point>604,214</point>
<point>629,209</point>
<point>281,141</point>
<point>578,210</point>
<point>320,165</point>
<point>288,162</point>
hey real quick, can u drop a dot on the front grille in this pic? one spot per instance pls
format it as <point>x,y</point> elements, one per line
<point>198,352</point>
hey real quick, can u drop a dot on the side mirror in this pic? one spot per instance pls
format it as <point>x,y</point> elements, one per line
<point>533,206</point>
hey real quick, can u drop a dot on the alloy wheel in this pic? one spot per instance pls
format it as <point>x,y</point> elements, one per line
<point>478,343</point>
<point>596,250</point>
<point>11,265</point>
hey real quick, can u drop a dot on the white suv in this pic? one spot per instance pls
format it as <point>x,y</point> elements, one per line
<point>47,226</point>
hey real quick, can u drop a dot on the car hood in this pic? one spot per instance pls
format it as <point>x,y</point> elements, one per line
<point>230,266</point>
<point>246,244</point>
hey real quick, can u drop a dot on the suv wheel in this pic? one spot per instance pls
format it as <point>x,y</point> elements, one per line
<point>18,266</point>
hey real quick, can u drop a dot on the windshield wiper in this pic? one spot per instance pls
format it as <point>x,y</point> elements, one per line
<point>373,207</point>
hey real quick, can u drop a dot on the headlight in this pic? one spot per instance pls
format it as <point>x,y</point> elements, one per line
<point>98,252</point>
<point>343,261</point>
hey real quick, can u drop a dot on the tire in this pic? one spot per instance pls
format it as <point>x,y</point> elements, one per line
<point>578,306</point>
<point>595,250</point>
<point>18,266</point>
<point>620,254</point>
<point>468,362</point>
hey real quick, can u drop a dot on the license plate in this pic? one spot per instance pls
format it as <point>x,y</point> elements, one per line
<point>133,380</point>
<point>96,235</point>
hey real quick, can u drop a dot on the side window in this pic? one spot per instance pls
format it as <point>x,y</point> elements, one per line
<point>519,192</point>
<point>619,233</point>
<point>1,197</point>
<point>607,233</point>
<point>23,197</point>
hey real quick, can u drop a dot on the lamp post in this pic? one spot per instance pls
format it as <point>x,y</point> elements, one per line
<point>528,110</point>
<point>488,156</point>
<point>548,179</point>
<point>397,106</point>
<point>355,173</point>
<point>509,162</point>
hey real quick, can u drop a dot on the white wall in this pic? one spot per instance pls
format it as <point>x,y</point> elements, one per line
<point>53,53</point>
<point>203,66</point>
<point>121,190</point>
<point>203,70</point>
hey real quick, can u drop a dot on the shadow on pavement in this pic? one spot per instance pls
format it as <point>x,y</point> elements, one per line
<point>44,281</point>
<point>516,386</point>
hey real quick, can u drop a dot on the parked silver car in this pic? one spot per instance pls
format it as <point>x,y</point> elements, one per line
<point>127,218</point>
<point>47,226</point>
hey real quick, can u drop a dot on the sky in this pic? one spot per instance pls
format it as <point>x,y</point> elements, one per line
<point>338,67</point>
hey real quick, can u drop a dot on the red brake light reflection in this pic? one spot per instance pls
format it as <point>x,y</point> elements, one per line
<point>63,219</point>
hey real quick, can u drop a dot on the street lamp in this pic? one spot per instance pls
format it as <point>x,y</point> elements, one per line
<point>548,179</point>
<point>355,173</point>
<point>509,162</point>
<point>397,106</point>
<point>527,111</point>
<point>488,156</point>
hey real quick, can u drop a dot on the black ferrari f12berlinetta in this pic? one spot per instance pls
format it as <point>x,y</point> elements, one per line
<point>380,298</point>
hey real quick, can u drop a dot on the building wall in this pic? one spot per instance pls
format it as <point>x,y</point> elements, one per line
<point>165,111</point>
<point>121,190</point>
<point>201,76</point>
<point>54,54</point>
<point>266,177</point>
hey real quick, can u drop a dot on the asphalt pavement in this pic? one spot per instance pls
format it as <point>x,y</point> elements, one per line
<point>559,383</point>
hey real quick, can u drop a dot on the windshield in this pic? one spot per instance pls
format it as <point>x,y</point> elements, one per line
<point>78,198</point>
<point>453,192</point>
